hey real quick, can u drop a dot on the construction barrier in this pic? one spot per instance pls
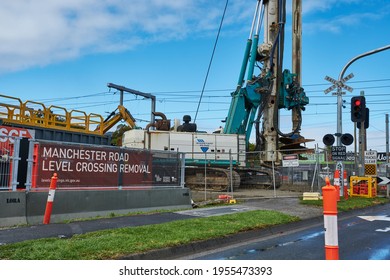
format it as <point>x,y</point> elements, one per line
<point>50,199</point>
<point>227,199</point>
<point>363,186</point>
<point>329,194</point>
<point>345,185</point>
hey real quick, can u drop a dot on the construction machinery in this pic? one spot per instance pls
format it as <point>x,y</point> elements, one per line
<point>114,118</point>
<point>220,160</point>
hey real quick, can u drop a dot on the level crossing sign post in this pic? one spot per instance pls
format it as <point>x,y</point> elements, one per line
<point>339,85</point>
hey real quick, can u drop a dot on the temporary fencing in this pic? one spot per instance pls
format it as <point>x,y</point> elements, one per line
<point>84,166</point>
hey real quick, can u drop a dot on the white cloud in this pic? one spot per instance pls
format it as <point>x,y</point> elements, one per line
<point>37,33</point>
<point>321,5</point>
<point>335,16</point>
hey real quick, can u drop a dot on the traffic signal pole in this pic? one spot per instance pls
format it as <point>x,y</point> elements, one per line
<point>340,85</point>
<point>362,144</point>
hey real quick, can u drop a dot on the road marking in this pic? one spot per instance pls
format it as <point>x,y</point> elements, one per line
<point>383,230</point>
<point>375,218</point>
<point>218,211</point>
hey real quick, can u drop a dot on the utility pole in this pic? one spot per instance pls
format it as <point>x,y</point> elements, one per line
<point>362,144</point>
<point>387,145</point>
<point>296,51</point>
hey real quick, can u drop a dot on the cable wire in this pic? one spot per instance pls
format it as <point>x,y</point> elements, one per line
<point>211,59</point>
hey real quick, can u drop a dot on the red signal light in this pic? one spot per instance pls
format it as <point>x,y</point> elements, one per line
<point>358,108</point>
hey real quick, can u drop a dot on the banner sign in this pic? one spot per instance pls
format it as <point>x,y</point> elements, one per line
<point>8,135</point>
<point>91,166</point>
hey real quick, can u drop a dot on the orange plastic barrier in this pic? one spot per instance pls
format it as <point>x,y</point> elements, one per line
<point>329,194</point>
<point>50,199</point>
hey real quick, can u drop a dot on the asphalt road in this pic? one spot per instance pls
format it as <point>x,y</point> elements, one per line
<point>362,235</point>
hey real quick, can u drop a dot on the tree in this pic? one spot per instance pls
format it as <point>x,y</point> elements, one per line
<point>116,139</point>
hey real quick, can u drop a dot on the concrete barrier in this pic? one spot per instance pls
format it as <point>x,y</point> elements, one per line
<point>12,208</point>
<point>29,207</point>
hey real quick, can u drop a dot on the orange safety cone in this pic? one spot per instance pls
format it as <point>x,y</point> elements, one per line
<point>345,185</point>
<point>336,183</point>
<point>329,194</point>
<point>50,199</point>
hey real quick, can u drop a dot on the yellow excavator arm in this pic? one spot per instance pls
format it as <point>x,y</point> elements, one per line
<point>114,118</point>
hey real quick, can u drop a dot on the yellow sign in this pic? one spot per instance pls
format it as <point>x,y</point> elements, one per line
<point>370,170</point>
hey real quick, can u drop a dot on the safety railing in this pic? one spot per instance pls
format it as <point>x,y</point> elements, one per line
<point>36,114</point>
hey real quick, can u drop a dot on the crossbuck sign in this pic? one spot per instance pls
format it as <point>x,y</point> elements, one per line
<point>339,84</point>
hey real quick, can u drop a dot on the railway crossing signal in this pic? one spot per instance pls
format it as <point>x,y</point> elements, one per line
<point>358,108</point>
<point>346,139</point>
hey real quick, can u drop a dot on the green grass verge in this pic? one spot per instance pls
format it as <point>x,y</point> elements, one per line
<point>350,203</point>
<point>111,244</point>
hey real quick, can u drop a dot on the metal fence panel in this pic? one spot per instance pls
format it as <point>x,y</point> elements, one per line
<point>9,158</point>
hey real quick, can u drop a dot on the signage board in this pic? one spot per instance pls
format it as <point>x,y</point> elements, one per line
<point>86,166</point>
<point>370,157</point>
<point>7,133</point>
<point>339,153</point>
<point>290,160</point>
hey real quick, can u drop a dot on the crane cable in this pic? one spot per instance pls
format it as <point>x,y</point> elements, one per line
<point>211,60</point>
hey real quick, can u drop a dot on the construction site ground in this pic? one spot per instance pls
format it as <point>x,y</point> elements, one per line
<point>287,190</point>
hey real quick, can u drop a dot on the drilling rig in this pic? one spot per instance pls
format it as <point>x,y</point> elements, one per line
<point>263,88</point>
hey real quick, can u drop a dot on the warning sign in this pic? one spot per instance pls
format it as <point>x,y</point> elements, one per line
<point>290,160</point>
<point>339,153</point>
<point>370,170</point>
<point>370,157</point>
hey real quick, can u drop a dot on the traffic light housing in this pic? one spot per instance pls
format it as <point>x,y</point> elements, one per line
<point>328,139</point>
<point>366,120</point>
<point>346,139</point>
<point>358,108</point>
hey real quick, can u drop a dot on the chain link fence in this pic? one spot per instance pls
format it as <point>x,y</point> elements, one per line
<point>308,172</point>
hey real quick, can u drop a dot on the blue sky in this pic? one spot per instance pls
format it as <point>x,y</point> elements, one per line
<point>65,52</point>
